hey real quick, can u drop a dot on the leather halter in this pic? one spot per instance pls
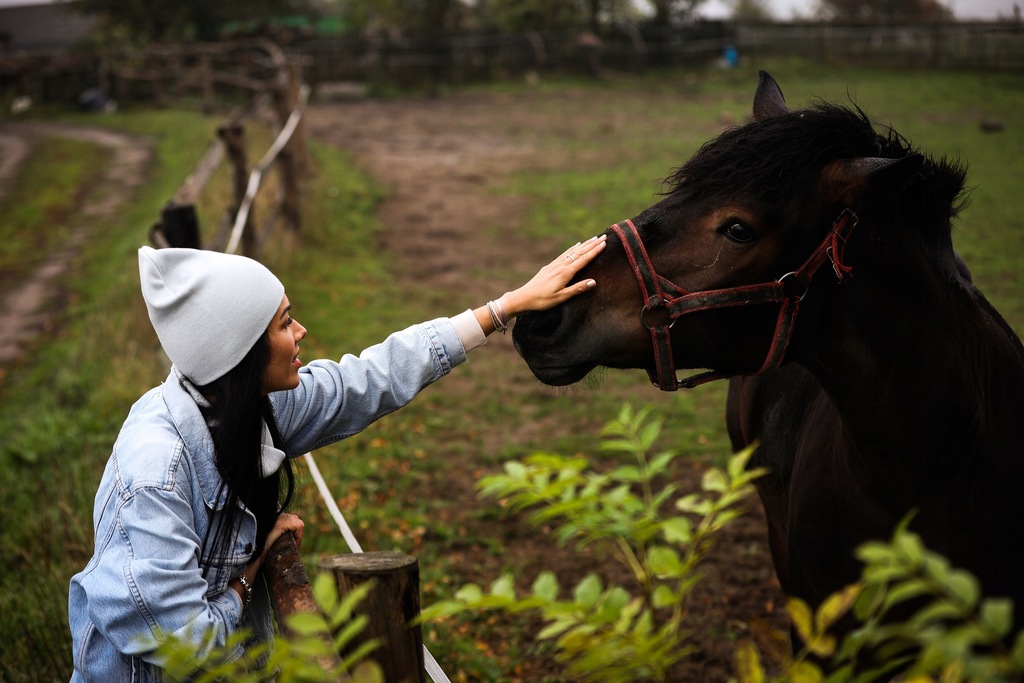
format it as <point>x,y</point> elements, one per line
<point>788,291</point>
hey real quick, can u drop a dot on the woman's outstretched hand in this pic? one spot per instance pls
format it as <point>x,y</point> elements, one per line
<point>550,286</point>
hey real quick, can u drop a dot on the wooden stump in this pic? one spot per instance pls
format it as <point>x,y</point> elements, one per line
<point>392,604</point>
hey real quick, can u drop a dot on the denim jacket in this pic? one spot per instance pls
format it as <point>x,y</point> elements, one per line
<point>158,494</point>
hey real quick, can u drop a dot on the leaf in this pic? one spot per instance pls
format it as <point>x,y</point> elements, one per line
<point>664,562</point>
<point>626,473</point>
<point>368,672</point>
<point>307,624</point>
<point>935,612</point>
<point>325,592</point>
<point>748,663</point>
<point>714,480</point>
<point>555,628</point>
<point>444,608</point>
<point>695,503</point>
<point>835,606</point>
<point>515,470</point>
<point>351,631</point>
<point>824,645</point>
<point>965,587</point>
<point>649,434</point>
<point>903,591</point>
<point>805,672</point>
<point>588,590</point>
<point>770,640</point>
<point>870,601</point>
<point>469,593</point>
<point>909,544</point>
<point>998,614</point>
<point>663,596</point>
<point>800,615</point>
<point>545,586</point>
<point>660,462</point>
<point>677,530</point>
<point>504,587</point>
<point>874,552</point>
<point>1018,649</point>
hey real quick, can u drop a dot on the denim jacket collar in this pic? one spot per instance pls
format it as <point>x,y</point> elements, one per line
<point>191,425</point>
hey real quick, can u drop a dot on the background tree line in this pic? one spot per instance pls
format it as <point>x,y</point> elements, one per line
<point>147,21</point>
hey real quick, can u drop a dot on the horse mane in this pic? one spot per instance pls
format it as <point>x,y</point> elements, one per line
<point>781,156</point>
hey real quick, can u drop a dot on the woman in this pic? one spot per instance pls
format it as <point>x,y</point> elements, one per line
<point>195,489</point>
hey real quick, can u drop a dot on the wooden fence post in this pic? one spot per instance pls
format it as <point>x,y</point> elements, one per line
<point>233,137</point>
<point>290,591</point>
<point>178,227</point>
<point>206,76</point>
<point>285,93</point>
<point>393,602</point>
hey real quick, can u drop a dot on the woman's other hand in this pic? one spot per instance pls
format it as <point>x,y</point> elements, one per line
<point>285,522</point>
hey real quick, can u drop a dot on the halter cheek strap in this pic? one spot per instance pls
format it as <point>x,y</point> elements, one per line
<point>788,291</point>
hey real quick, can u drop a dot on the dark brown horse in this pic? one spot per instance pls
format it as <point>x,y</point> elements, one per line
<point>809,258</point>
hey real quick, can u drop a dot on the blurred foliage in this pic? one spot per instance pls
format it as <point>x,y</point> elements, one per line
<point>149,21</point>
<point>606,633</point>
<point>302,658</point>
<point>953,634</point>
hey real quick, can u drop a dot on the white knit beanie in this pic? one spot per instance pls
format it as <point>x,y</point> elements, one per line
<point>208,308</point>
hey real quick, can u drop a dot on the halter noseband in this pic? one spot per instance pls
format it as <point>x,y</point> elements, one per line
<point>788,291</point>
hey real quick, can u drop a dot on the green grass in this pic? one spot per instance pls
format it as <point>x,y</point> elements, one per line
<point>30,231</point>
<point>61,408</point>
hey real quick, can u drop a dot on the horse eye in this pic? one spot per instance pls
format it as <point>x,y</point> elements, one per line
<point>738,232</point>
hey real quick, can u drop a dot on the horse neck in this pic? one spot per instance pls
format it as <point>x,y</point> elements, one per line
<point>915,367</point>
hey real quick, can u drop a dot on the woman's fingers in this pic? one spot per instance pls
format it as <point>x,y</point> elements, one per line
<point>550,286</point>
<point>286,522</point>
<point>579,254</point>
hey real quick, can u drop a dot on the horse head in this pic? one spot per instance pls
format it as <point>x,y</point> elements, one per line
<point>758,224</point>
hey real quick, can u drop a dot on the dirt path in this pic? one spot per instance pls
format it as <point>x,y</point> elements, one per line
<point>27,305</point>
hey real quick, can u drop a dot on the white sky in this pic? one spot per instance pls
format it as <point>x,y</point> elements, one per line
<point>787,9</point>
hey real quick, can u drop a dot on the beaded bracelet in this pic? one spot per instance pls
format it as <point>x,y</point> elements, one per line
<point>248,592</point>
<point>497,316</point>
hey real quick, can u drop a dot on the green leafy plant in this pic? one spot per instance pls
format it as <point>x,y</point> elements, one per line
<point>607,633</point>
<point>953,634</point>
<point>306,656</point>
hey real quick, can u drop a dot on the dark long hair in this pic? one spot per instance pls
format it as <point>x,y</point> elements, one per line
<point>236,414</point>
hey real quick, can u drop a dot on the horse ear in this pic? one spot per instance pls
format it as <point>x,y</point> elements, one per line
<point>856,176</point>
<point>768,100</point>
<point>875,170</point>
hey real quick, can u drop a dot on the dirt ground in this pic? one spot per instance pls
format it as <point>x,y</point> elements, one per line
<point>26,303</point>
<point>437,158</point>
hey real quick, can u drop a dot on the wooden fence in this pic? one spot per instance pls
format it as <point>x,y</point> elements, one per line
<point>215,73</point>
<point>461,58</point>
<point>279,87</point>
<point>990,46</point>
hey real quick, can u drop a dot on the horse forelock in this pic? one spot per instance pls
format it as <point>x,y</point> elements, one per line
<point>770,160</point>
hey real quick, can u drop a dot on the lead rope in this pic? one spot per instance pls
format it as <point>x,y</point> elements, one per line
<point>429,663</point>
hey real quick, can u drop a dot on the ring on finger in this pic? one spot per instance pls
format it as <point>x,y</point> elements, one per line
<point>571,256</point>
